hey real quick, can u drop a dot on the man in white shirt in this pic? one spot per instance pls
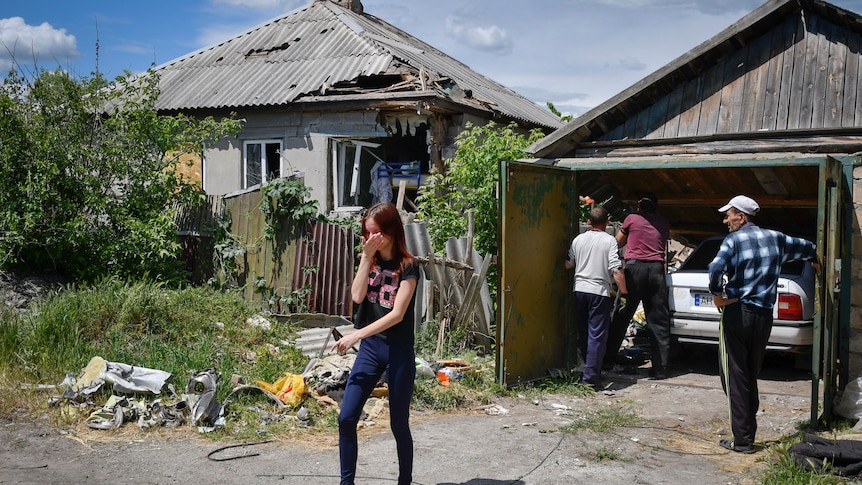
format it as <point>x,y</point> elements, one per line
<point>594,255</point>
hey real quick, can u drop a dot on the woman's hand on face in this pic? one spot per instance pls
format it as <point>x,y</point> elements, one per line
<point>373,243</point>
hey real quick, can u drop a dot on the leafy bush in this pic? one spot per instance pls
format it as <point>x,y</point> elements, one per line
<point>88,175</point>
<point>285,201</point>
<point>470,183</point>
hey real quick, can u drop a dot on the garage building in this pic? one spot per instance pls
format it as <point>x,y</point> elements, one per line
<point>770,107</point>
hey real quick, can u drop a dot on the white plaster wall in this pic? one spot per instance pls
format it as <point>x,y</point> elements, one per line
<point>305,147</point>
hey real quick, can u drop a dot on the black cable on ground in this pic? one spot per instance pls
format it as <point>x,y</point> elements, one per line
<point>555,448</point>
<point>217,450</point>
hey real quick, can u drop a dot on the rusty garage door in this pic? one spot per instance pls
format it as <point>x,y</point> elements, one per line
<point>535,334</point>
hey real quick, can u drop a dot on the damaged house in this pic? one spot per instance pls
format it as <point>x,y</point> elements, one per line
<point>337,95</point>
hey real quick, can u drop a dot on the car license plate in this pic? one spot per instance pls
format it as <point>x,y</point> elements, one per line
<point>703,300</point>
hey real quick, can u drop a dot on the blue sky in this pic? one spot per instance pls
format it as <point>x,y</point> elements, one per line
<point>574,53</point>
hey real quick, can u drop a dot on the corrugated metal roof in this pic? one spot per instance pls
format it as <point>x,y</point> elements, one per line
<point>306,51</point>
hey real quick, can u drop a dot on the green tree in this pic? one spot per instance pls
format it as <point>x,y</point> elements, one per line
<point>553,109</point>
<point>88,175</point>
<point>470,183</point>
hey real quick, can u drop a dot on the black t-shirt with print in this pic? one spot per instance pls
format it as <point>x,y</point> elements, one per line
<point>383,282</point>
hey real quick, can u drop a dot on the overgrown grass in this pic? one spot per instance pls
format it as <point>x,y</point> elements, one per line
<point>143,324</point>
<point>457,341</point>
<point>569,384</point>
<point>476,386</point>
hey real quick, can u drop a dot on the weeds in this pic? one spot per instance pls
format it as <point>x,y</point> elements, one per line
<point>781,469</point>
<point>456,341</point>
<point>606,453</point>
<point>605,419</point>
<point>566,384</point>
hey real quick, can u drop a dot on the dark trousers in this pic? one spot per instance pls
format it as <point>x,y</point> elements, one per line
<point>645,282</point>
<point>376,356</point>
<point>745,331</point>
<point>593,315</point>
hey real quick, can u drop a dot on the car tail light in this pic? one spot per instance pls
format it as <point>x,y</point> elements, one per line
<point>789,307</point>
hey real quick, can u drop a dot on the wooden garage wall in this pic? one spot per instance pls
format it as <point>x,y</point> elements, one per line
<point>802,74</point>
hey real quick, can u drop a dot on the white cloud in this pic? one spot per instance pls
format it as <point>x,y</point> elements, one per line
<point>27,44</point>
<point>488,39</point>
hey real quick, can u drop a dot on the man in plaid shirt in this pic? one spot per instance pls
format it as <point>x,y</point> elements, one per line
<point>751,259</point>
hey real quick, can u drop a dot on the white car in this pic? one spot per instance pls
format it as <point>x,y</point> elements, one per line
<point>694,318</point>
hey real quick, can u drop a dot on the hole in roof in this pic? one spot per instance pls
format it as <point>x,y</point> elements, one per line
<point>324,31</point>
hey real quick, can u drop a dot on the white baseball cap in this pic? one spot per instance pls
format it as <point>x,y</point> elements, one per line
<point>742,204</point>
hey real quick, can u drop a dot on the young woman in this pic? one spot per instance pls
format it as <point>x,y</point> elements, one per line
<point>383,287</point>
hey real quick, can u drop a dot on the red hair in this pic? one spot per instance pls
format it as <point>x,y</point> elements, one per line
<point>388,219</point>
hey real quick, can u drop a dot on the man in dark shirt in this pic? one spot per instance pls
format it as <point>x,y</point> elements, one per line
<point>644,235</point>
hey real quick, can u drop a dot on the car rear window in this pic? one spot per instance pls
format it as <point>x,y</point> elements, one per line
<point>704,254</point>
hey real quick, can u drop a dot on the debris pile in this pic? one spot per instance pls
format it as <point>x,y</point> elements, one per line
<point>148,397</point>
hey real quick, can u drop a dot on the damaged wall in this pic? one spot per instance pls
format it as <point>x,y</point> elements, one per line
<point>305,136</point>
<point>305,147</point>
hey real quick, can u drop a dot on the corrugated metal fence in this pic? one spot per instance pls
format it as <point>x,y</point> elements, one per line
<point>325,267</point>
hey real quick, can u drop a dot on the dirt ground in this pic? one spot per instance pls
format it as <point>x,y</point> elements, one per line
<point>515,442</point>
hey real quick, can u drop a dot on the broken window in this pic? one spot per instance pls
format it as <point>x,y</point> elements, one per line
<point>350,189</point>
<point>359,178</point>
<point>261,162</point>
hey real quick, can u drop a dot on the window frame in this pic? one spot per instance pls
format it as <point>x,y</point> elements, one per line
<point>341,164</point>
<point>264,162</point>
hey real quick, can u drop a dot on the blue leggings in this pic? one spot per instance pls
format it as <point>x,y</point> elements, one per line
<point>376,356</point>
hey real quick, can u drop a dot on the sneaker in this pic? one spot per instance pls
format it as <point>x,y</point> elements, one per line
<point>747,449</point>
